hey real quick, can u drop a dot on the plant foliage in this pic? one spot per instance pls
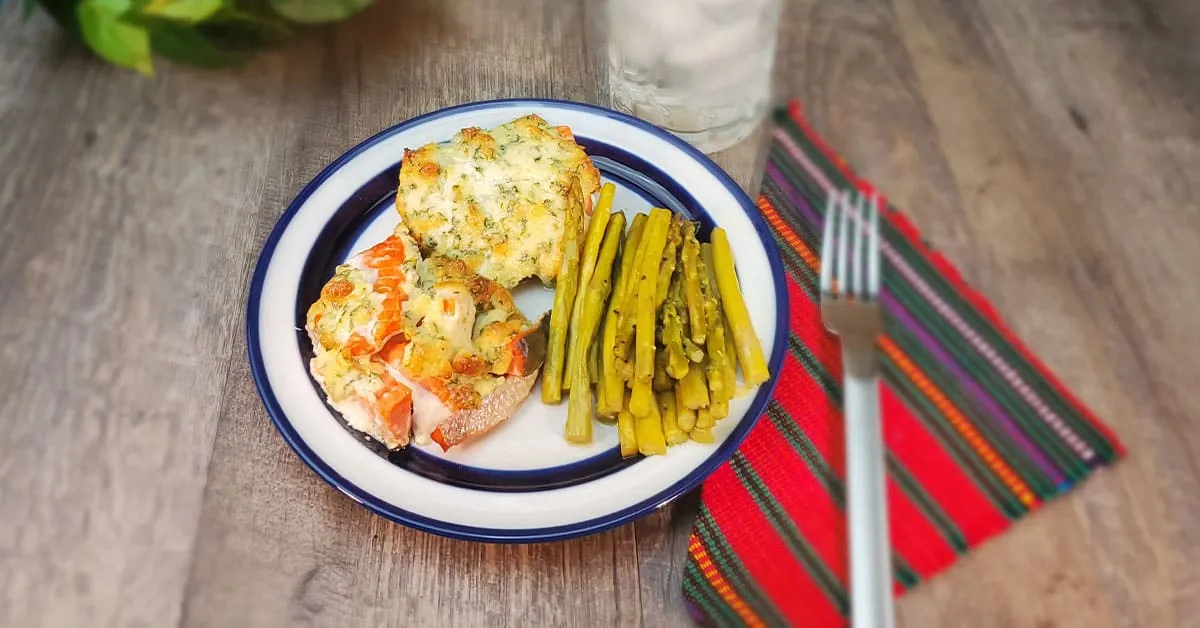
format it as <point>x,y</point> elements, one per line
<point>206,33</point>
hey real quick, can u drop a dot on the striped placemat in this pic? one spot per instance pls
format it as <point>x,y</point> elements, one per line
<point>979,433</point>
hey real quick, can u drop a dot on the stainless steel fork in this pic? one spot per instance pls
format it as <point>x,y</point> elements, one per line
<point>850,283</point>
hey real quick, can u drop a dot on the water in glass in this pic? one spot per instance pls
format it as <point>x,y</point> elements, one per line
<point>698,68</point>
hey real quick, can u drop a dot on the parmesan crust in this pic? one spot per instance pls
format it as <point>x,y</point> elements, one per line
<point>496,199</point>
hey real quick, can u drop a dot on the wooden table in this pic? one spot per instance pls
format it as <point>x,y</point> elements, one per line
<point>1052,149</point>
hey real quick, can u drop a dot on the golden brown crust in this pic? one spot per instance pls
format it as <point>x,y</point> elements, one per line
<point>469,364</point>
<point>495,198</point>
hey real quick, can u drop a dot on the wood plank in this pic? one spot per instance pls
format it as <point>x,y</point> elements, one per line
<point>279,547</point>
<point>1070,229</point>
<point>123,211</point>
<point>1047,148</point>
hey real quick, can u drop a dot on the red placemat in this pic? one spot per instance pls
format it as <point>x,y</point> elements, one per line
<point>979,433</point>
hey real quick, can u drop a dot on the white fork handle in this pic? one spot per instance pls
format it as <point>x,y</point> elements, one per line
<point>870,551</point>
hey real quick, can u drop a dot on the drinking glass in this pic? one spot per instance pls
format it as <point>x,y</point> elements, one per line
<point>698,68</point>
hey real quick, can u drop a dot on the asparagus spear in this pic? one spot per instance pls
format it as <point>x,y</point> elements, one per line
<point>579,405</point>
<point>578,428</point>
<point>670,420</point>
<point>672,332</point>
<point>750,354</point>
<point>666,269</point>
<point>647,299</point>
<point>653,241</point>
<point>692,352</point>
<point>689,254</point>
<point>694,392</point>
<point>611,382</point>
<point>730,370</point>
<point>594,362</point>
<point>718,409</point>
<point>628,304</point>
<point>686,415</point>
<point>701,435</point>
<point>641,397</point>
<point>662,381</point>
<point>587,264</point>
<point>720,371</point>
<point>626,428</point>
<point>596,371</point>
<point>650,438</point>
<point>719,362</point>
<point>566,285</point>
<point>632,239</point>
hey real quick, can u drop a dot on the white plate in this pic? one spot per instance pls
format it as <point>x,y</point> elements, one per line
<point>522,482</point>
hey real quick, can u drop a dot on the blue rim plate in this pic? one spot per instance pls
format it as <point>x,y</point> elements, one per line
<point>521,482</point>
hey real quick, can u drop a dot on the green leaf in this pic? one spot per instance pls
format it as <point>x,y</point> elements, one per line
<point>119,7</point>
<point>234,26</point>
<point>111,37</point>
<point>27,8</point>
<point>315,11</point>
<point>191,45</point>
<point>183,10</point>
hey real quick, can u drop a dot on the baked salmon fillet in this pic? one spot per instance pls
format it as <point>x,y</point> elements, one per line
<point>497,199</point>
<point>411,348</point>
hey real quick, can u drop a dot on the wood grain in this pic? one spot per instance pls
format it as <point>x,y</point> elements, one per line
<point>1049,149</point>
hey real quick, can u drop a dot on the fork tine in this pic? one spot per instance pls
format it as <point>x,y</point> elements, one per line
<point>843,278</point>
<point>858,265</point>
<point>875,245</point>
<point>831,206</point>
